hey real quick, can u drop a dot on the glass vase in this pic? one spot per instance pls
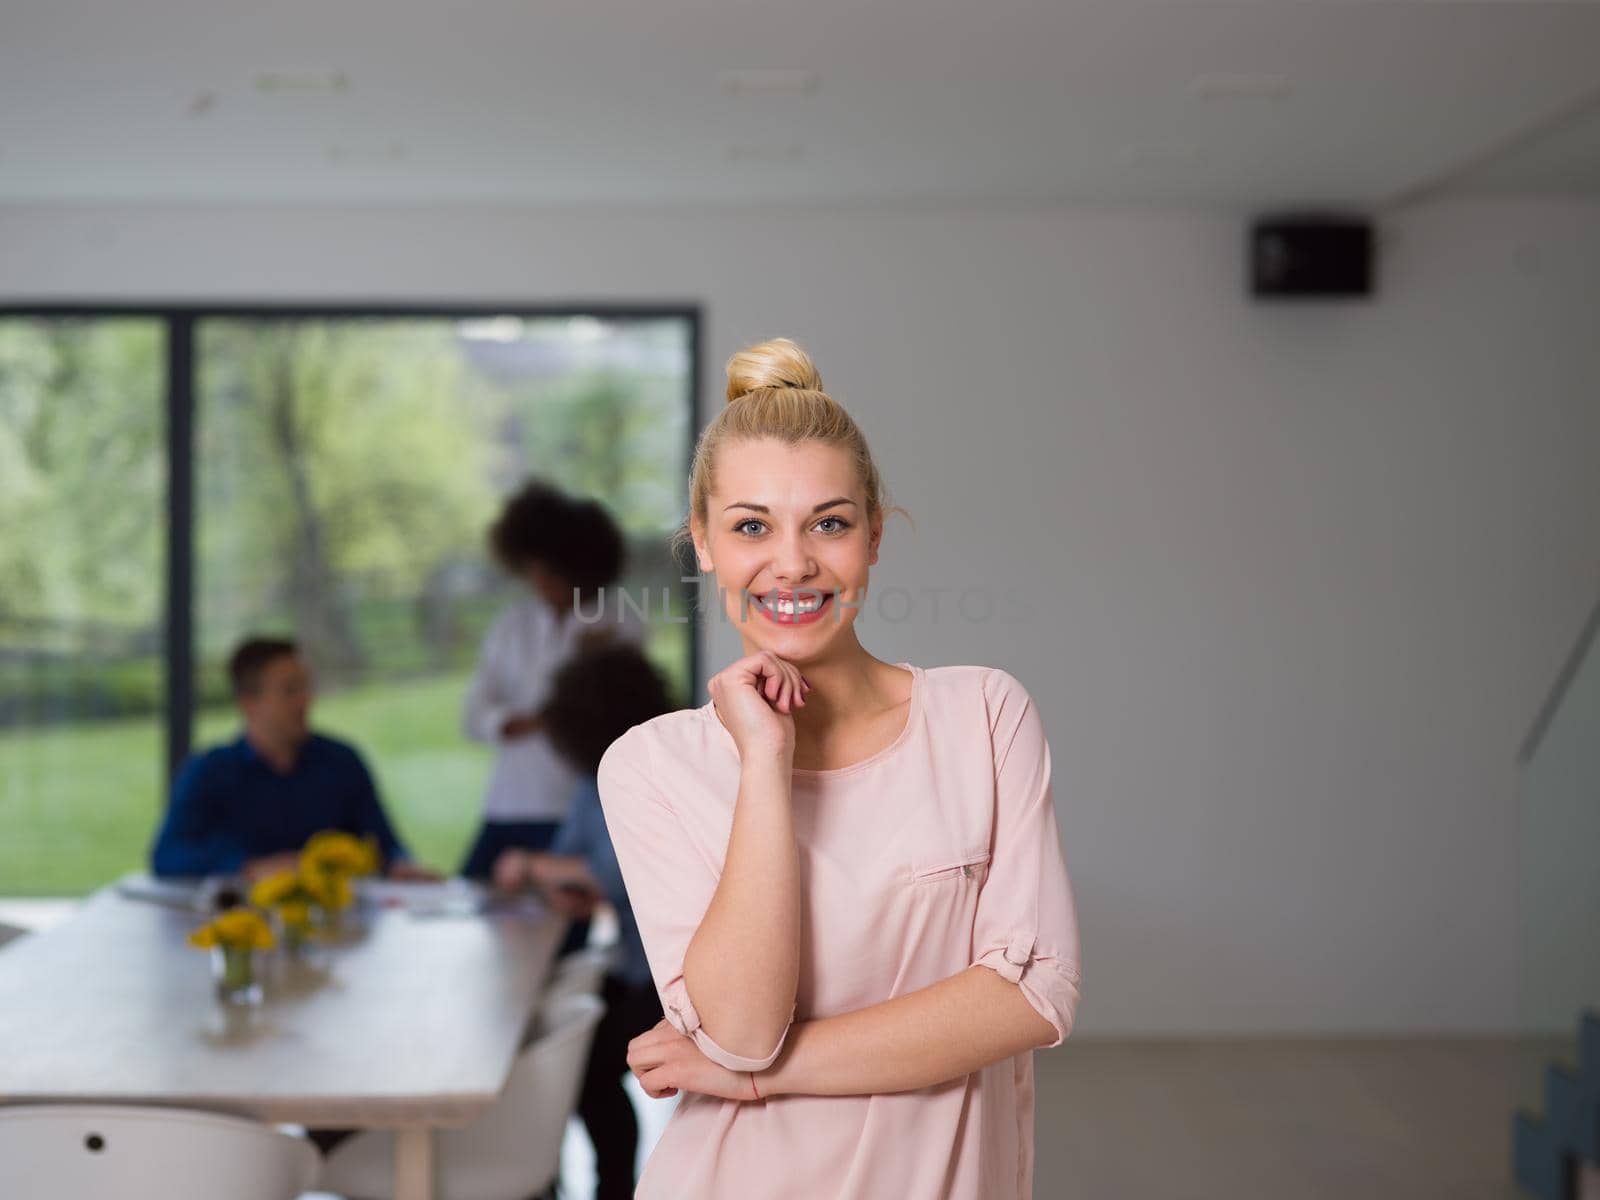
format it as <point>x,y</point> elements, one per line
<point>233,969</point>
<point>295,940</point>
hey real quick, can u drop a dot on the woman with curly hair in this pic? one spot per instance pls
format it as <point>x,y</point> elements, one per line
<point>566,551</point>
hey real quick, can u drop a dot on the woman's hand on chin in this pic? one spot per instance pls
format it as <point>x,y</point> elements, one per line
<point>666,1063</point>
<point>756,698</point>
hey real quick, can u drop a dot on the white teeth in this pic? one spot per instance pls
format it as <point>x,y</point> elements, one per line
<point>789,607</point>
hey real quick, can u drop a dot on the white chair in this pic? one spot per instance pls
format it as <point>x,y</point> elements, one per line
<point>122,1152</point>
<point>582,973</point>
<point>10,933</point>
<point>511,1152</point>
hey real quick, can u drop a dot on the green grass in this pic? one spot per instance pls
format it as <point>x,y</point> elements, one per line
<point>79,804</point>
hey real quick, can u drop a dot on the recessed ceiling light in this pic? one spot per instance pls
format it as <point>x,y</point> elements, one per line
<point>303,81</point>
<point>769,82</point>
<point>793,152</point>
<point>1250,85</point>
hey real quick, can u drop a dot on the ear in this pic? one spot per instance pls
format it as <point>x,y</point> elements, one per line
<point>875,538</point>
<point>702,554</point>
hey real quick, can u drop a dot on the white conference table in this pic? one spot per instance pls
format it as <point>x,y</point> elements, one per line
<point>411,1025</point>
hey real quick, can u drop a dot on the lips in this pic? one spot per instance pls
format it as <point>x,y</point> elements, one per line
<point>793,608</point>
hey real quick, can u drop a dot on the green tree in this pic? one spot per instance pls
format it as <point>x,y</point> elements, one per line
<point>334,452</point>
<point>81,472</point>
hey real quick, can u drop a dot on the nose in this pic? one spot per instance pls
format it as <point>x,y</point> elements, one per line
<point>793,562</point>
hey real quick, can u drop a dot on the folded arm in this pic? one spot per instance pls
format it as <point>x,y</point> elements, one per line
<point>924,1038</point>
<point>723,938</point>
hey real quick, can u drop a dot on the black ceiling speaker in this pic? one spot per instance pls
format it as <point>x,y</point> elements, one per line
<point>1311,257</point>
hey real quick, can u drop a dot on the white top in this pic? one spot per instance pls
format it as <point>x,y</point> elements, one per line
<point>525,647</point>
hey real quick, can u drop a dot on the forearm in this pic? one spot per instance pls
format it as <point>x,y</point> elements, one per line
<point>484,710</point>
<point>743,965</point>
<point>481,718</point>
<point>927,1037</point>
<point>372,821</point>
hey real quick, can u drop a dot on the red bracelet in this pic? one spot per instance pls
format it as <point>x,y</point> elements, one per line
<point>752,1075</point>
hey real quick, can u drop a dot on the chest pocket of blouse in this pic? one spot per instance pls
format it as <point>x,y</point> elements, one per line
<point>967,867</point>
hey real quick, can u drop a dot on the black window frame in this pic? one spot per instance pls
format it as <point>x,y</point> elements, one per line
<point>180,319</point>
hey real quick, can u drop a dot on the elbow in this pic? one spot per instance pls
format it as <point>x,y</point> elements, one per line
<point>754,1051</point>
<point>748,1033</point>
<point>1054,1029</point>
<point>1050,985</point>
<point>758,1042</point>
<point>746,1043</point>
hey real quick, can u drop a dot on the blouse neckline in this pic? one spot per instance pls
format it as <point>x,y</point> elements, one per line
<point>913,718</point>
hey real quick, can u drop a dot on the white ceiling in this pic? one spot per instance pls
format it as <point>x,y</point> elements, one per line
<point>622,101</point>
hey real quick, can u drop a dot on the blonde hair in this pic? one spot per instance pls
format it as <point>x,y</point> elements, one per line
<point>774,391</point>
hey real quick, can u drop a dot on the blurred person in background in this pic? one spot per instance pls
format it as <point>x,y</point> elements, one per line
<point>248,806</point>
<point>568,552</point>
<point>595,699</point>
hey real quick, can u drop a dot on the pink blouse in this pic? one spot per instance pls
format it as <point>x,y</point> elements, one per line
<point>938,852</point>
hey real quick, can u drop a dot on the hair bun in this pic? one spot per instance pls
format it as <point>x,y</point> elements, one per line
<point>778,363</point>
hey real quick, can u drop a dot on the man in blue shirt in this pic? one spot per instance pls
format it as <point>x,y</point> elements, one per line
<point>248,807</point>
<point>596,698</point>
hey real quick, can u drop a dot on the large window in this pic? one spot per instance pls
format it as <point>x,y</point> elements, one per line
<point>81,645</point>
<point>332,476</point>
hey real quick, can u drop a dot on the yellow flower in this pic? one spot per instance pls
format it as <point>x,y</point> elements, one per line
<point>275,889</point>
<point>332,850</point>
<point>235,929</point>
<point>330,889</point>
<point>296,914</point>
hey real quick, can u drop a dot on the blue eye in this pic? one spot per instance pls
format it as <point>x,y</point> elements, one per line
<point>839,526</point>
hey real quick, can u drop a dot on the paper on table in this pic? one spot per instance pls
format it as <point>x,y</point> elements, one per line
<point>446,898</point>
<point>140,885</point>
<point>419,894</point>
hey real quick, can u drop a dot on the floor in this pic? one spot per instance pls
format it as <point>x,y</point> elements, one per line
<point>1242,1119</point>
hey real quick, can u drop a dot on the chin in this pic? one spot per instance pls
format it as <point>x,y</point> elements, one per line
<point>797,646</point>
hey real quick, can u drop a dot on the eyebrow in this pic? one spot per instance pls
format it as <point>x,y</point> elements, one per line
<point>762,508</point>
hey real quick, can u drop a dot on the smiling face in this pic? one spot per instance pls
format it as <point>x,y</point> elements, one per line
<point>787,532</point>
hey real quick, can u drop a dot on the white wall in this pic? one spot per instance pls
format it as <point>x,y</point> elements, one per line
<point>1299,575</point>
<point>1559,802</point>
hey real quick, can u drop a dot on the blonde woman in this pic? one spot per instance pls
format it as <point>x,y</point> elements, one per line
<point>846,872</point>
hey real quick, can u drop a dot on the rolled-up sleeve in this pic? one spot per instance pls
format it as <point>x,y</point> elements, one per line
<point>1026,928</point>
<point>670,883</point>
